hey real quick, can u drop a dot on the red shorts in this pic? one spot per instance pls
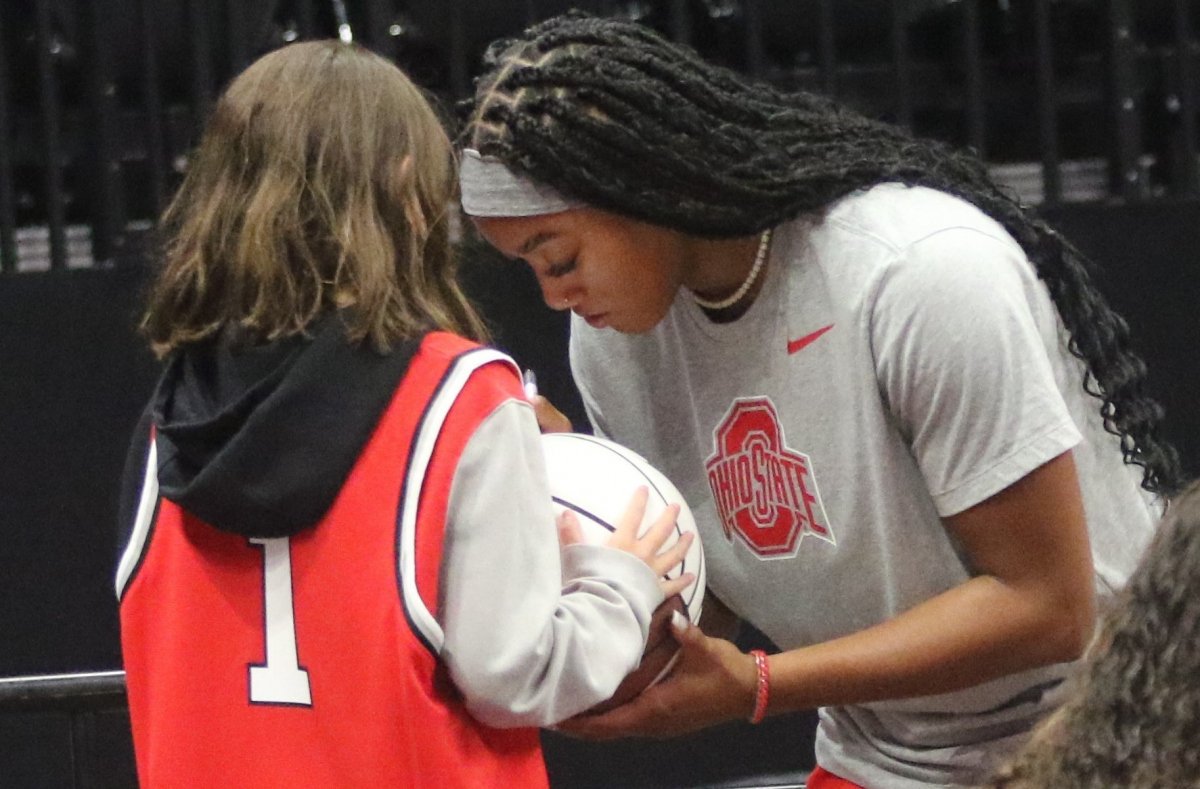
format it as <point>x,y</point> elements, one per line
<point>820,778</point>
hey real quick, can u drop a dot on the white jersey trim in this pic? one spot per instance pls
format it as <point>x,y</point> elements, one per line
<point>424,442</point>
<point>142,522</point>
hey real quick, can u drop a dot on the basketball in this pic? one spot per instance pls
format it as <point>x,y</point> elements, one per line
<point>595,479</point>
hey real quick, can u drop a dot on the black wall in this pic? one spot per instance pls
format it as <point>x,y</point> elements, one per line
<point>73,379</point>
<point>1149,259</point>
<point>74,376</point>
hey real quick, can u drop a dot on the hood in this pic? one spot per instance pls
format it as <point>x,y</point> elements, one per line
<point>258,440</point>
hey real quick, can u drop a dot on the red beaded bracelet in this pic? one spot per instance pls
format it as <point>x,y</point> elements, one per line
<point>763,689</point>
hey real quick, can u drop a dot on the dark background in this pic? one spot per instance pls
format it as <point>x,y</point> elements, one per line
<point>74,375</point>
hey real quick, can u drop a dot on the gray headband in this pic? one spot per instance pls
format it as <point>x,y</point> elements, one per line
<point>490,188</point>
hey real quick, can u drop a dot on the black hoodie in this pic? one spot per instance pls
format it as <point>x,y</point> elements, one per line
<point>259,440</point>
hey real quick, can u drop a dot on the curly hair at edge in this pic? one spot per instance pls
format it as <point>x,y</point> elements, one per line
<point>611,113</point>
<point>1133,716</point>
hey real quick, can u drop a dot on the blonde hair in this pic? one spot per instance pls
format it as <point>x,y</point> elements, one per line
<point>324,180</point>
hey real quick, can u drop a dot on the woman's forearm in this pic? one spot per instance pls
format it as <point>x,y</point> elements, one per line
<point>975,632</point>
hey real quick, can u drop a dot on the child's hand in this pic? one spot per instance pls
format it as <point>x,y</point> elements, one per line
<point>648,547</point>
<point>569,531</point>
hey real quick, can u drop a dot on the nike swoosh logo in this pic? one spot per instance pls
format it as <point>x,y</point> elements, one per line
<point>806,340</point>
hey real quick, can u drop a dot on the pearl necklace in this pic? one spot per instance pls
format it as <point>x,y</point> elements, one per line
<point>764,244</point>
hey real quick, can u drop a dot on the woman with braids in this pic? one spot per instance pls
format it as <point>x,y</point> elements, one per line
<point>1133,716</point>
<point>913,433</point>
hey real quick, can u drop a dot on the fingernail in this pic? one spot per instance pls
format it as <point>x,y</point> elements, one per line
<point>678,621</point>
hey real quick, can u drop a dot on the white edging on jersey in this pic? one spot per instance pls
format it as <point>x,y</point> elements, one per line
<point>424,443</point>
<point>142,523</point>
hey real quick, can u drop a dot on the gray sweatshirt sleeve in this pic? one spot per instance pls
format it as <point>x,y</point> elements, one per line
<point>533,635</point>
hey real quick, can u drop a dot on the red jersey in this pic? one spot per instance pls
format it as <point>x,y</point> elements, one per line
<point>311,659</point>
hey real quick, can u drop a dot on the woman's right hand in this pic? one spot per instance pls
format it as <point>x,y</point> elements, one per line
<point>648,547</point>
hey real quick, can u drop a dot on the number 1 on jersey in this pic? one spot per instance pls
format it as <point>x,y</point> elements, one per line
<point>279,680</point>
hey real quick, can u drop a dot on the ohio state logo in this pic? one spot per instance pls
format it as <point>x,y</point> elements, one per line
<point>765,492</point>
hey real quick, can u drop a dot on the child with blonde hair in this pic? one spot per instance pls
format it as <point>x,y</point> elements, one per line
<point>340,562</point>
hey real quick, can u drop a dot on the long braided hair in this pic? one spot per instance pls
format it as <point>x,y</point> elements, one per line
<point>1133,717</point>
<point>611,113</point>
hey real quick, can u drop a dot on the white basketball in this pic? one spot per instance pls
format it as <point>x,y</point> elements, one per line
<point>596,478</point>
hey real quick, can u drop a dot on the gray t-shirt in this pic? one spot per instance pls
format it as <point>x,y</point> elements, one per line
<point>901,364</point>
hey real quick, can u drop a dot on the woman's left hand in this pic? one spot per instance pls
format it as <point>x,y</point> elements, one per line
<point>549,418</point>
<point>712,682</point>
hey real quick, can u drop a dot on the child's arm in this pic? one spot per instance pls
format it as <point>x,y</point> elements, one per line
<point>531,639</point>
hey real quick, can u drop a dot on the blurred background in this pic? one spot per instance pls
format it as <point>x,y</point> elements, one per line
<point>1085,108</point>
